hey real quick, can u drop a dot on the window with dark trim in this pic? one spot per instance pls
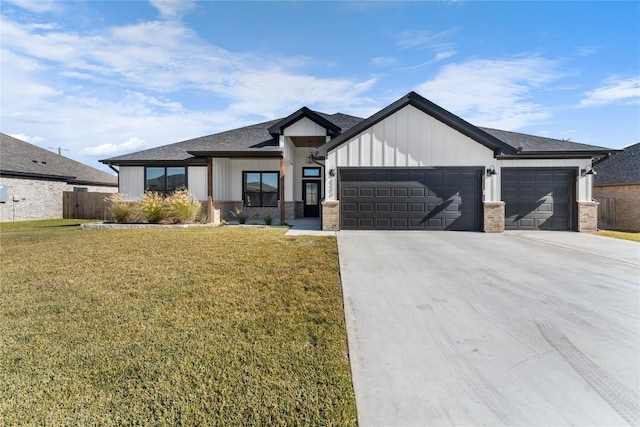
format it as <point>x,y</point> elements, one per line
<point>165,180</point>
<point>80,189</point>
<point>260,188</point>
<point>311,172</point>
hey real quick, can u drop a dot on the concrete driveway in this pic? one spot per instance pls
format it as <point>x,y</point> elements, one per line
<point>452,328</point>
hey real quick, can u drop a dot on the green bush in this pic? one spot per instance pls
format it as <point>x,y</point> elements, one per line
<point>182,207</point>
<point>152,206</point>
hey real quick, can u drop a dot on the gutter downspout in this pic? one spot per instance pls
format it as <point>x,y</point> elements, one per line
<point>113,169</point>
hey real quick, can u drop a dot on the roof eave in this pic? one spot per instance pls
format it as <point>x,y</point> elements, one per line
<point>278,128</point>
<point>237,153</point>
<point>559,154</point>
<point>429,108</point>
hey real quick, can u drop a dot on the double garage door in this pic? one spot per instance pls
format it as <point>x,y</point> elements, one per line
<point>450,198</point>
<point>410,199</point>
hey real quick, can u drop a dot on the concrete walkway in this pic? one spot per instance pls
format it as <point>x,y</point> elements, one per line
<point>462,329</point>
<point>307,227</point>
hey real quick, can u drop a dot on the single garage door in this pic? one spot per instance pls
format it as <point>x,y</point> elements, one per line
<point>410,199</point>
<point>538,199</point>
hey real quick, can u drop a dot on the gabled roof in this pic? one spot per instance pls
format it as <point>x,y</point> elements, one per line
<point>621,168</point>
<point>253,141</point>
<point>279,127</point>
<point>21,159</point>
<point>430,108</point>
<point>503,143</point>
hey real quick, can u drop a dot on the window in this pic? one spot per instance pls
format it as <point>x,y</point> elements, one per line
<point>311,172</point>
<point>165,180</point>
<point>260,188</point>
<point>80,189</point>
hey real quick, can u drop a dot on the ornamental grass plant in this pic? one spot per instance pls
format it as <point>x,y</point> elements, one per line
<point>182,207</point>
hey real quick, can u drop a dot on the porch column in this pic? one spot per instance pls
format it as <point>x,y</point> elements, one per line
<point>282,206</point>
<point>210,213</point>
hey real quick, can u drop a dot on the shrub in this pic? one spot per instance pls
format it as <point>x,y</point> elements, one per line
<point>153,207</point>
<point>121,210</point>
<point>239,215</point>
<point>268,219</point>
<point>182,207</point>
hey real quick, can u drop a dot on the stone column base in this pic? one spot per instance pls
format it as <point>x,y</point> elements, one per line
<point>588,217</point>
<point>493,217</point>
<point>331,215</point>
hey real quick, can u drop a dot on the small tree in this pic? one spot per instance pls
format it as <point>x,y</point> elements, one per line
<point>153,207</point>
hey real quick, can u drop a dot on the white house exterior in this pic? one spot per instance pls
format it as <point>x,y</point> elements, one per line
<point>412,165</point>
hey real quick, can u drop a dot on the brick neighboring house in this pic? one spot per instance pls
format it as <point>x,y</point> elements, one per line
<point>617,188</point>
<point>33,179</point>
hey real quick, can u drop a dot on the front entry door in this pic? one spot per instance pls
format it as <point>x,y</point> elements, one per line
<point>311,197</point>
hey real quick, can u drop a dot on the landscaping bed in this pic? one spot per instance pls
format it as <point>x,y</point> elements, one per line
<point>195,326</point>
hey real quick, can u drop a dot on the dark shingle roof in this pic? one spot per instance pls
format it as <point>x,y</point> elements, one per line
<point>532,143</point>
<point>620,168</point>
<point>256,140</point>
<point>19,158</point>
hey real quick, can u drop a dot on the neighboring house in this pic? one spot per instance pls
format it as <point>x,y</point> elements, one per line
<point>617,188</point>
<point>412,165</point>
<point>33,179</point>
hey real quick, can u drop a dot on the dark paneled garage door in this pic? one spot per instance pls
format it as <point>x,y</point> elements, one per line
<point>410,199</point>
<point>537,199</point>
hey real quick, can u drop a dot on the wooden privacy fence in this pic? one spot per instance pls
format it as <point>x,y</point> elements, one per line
<point>84,205</point>
<point>606,213</point>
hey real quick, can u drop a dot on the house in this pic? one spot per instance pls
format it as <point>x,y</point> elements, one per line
<point>412,165</point>
<point>617,188</point>
<point>32,180</point>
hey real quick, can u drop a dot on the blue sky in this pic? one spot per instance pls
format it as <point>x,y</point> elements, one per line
<point>100,79</point>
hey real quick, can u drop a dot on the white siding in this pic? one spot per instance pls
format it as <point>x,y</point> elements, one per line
<point>131,182</point>
<point>197,181</point>
<point>305,127</point>
<point>247,165</point>
<point>222,179</point>
<point>412,138</point>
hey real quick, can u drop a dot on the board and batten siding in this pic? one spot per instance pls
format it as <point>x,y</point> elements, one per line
<point>131,182</point>
<point>304,127</point>
<point>197,182</point>
<point>408,138</point>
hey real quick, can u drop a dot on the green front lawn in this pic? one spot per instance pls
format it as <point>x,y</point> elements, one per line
<point>199,326</point>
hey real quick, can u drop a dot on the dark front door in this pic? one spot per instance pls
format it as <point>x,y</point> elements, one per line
<point>311,197</point>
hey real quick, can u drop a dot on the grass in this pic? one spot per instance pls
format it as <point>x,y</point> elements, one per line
<point>626,235</point>
<point>199,326</point>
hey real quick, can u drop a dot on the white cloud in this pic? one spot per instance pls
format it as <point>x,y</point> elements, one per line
<point>38,6</point>
<point>27,138</point>
<point>131,144</point>
<point>384,61</point>
<point>422,38</point>
<point>493,92</point>
<point>614,90</point>
<point>173,8</point>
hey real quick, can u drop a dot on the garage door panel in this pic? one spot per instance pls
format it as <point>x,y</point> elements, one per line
<point>537,199</point>
<point>412,199</point>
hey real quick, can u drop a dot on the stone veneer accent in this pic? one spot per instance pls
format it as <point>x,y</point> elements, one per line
<point>493,217</point>
<point>627,202</point>
<point>227,208</point>
<point>588,217</point>
<point>330,216</point>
